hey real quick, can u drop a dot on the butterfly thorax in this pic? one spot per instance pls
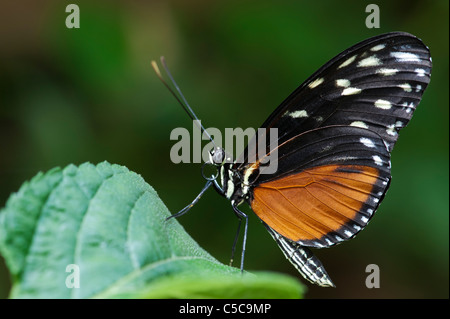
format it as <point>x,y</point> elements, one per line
<point>230,178</point>
<point>231,181</point>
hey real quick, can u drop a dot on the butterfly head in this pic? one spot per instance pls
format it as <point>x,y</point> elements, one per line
<point>217,156</point>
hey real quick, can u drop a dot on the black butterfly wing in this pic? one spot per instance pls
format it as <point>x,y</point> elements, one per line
<point>376,85</point>
<point>335,134</point>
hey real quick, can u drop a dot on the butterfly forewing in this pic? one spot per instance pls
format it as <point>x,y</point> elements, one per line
<point>376,85</point>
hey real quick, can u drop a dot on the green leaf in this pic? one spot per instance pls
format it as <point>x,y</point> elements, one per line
<point>112,226</point>
<point>263,285</point>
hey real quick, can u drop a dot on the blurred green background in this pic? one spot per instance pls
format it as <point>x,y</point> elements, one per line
<point>89,94</point>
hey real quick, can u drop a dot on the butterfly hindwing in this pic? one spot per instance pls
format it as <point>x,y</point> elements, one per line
<point>330,145</point>
<point>332,182</point>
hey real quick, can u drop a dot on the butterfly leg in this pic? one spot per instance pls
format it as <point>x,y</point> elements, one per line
<point>188,207</point>
<point>233,249</point>
<point>241,216</point>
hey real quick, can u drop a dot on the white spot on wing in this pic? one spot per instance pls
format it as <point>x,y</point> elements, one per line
<point>383,104</point>
<point>386,71</point>
<point>408,108</point>
<point>348,233</point>
<point>315,83</point>
<point>298,114</point>
<point>391,130</point>
<point>351,91</point>
<point>377,160</point>
<point>359,124</point>
<point>420,72</point>
<point>370,61</point>
<point>347,62</point>
<point>378,47</point>
<point>406,87</point>
<point>342,83</point>
<point>405,57</point>
<point>367,142</point>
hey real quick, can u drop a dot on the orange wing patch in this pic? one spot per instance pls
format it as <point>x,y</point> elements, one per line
<point>315,202</point>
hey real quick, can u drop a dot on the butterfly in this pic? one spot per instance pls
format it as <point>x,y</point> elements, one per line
<point>336,132</point>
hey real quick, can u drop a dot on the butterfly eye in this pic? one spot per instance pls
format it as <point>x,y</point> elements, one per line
<point>217,156</point>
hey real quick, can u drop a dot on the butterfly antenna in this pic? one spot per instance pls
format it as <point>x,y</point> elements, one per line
<point>185,105</point>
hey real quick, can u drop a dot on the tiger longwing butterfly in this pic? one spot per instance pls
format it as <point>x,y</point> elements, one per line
<point>335,135</point>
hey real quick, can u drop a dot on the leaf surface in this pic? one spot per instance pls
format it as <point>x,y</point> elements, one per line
<point>104,228</point>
